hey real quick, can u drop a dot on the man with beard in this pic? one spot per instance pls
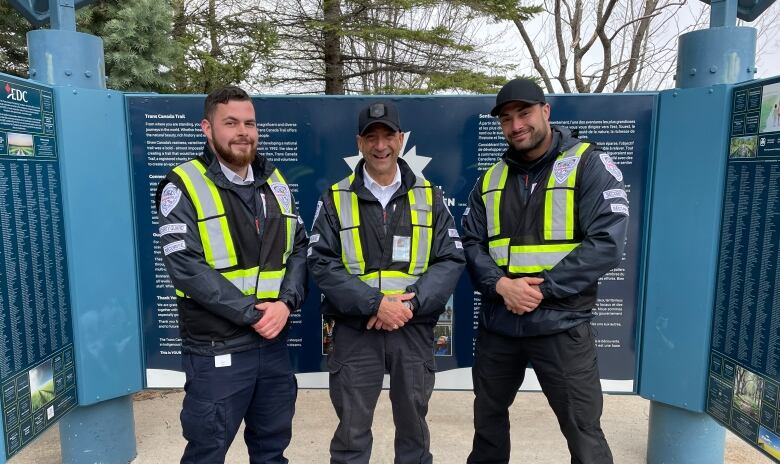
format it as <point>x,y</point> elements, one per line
<point>542,226</point>
<point>385,253</point>
<point>234,246</point>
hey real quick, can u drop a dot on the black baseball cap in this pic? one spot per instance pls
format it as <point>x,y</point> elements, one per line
<point>380,112</point>
<point>522,90</point>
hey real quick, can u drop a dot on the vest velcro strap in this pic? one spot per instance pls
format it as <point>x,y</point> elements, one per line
<point>531,259</point>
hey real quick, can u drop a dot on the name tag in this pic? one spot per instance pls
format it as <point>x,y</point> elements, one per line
<point>402,248</point>
<point>223,360</point>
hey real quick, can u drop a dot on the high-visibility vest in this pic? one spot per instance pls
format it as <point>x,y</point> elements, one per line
<point>397,276</point>
<point>557,238</point>
<point>218,245</point>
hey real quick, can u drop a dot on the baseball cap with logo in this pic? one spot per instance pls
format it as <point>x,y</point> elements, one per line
<point>522,90</point>
<point>379,113</point>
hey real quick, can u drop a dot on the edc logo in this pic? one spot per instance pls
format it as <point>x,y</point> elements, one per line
<point>15,94</point>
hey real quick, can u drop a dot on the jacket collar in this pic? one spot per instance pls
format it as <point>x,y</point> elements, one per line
<point>408,178</point>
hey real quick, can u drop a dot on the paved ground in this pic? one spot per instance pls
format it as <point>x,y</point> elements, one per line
<point>535,434</point>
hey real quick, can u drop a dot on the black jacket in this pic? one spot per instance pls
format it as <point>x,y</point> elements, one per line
<point>216,318</point>
<point>603,230</point>
<point>350,300</point>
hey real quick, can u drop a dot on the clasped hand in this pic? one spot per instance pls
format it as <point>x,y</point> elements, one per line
<point>392,313</point>
<point>521,295</point>
<point>275,314</point>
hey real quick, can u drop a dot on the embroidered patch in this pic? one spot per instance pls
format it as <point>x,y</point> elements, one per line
<point>283,196</point>
<point>453,233</point>
<point>314,238</point>
<point>564,167</point>
<point>458,244</point>
<point>618,208</point>
<point>611,167</point>
<point>169,199</point>
<point>174,247</point>
<point>615,193</point>
<point>317,212</point>
<point>177,228</point>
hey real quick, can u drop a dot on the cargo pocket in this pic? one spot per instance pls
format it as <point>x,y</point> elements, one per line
<point>202,421</point>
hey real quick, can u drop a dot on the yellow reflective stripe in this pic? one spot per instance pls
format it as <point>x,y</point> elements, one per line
<point>243,279</point>
<point>415,241</point>
<point>291,225</point>
<point>529,259</point>
<point>358,250</point>
<point>185,178</point>
<point>231,251</point>
<point>205,240</point>
<point>355,212</point>
<point>179,293</point>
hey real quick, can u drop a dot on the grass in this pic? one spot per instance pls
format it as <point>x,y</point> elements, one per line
<point>43,395</point>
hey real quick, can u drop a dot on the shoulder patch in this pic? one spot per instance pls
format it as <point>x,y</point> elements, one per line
<point>563,168</point>
<point>618,208</point>
<point>174,247</point>
<point>177,228</point>
<point>611,167</point>
<point>169,199</point>
<point>615,193</point>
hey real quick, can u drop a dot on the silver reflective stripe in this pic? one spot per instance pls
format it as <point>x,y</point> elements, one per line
<point>349,250</point>
<point>269,283</point>
<point>559,200</point>
<point>196,179</point>
<point>397,283</point>
<point>243,280</point>
<point>558,215</point>
<point>422,242</point>
<point>492,186</point>
<point>536,258</point>
<point>495,177</point>
<point>421,209</point>
<point>218,249</point>
<point>219,252</point>
<point>499,251</point>
<point>372,280</point>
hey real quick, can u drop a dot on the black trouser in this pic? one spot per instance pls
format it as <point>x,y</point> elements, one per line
<point>565,364</point>
<point>258,387</point>
<point>357,366</point>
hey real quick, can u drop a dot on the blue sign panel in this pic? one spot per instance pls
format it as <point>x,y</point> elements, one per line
<point>449,140</point>
<point>37,366</point>
<point>744,372</point>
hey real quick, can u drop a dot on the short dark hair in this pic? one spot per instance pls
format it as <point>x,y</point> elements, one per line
<point>223,95</point>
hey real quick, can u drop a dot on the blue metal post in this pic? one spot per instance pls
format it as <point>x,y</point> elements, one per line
<point>105,431</point>
<point>682,433</point>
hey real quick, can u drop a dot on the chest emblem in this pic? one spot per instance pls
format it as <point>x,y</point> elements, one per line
<point>563,168</point>
<point>283,196</point>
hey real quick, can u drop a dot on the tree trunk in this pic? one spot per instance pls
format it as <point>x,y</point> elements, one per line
<point>334,66</point>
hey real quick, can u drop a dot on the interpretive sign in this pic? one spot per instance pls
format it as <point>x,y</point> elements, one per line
<point>744,371</point>
<point>450,141</point>
<point>37,374</point>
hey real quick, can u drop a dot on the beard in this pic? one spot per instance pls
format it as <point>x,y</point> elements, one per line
<point>237,158</point>
<point>534,140</point>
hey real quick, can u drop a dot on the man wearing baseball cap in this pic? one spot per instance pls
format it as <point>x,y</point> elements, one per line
<point>385,253</point>
<point>542,226</point>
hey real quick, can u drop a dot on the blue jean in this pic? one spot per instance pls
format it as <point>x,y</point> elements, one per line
<point>258,387</point>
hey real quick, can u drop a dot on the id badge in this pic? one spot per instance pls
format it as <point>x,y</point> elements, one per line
<point>402,248</point>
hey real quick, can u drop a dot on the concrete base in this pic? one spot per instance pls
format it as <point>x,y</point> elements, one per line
<point>677,436</point>
<point>104,432</point>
